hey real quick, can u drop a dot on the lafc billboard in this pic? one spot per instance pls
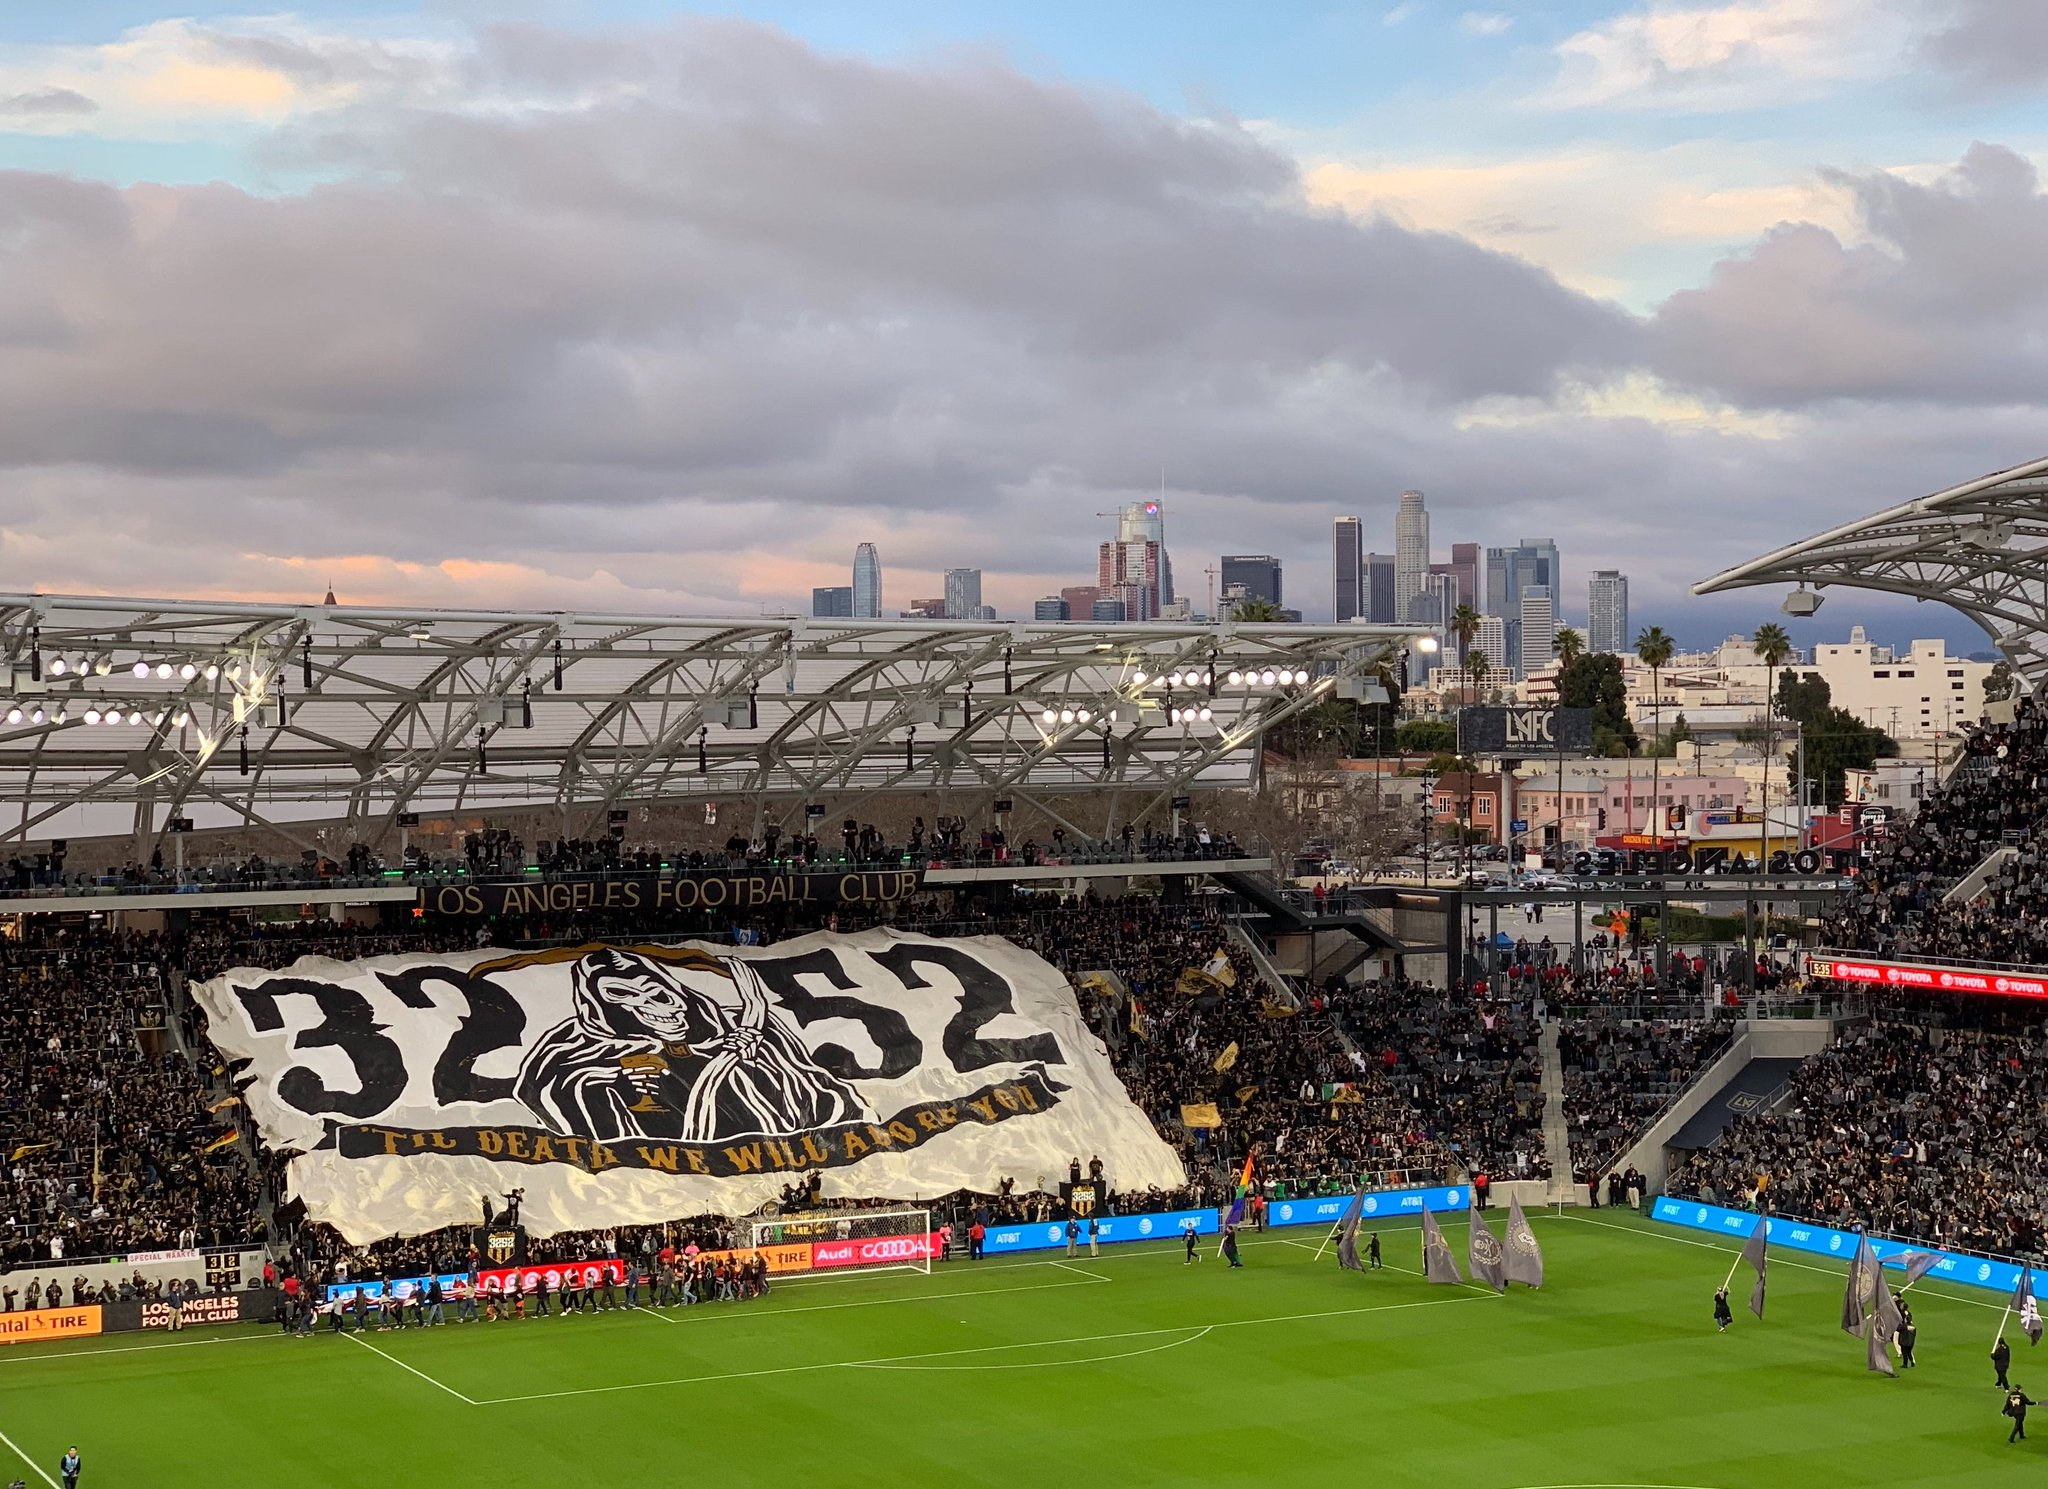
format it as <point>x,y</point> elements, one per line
<point>1523,731</point>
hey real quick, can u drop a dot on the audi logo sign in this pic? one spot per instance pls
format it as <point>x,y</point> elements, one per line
<point>1987,980</point>
<point>879,1251</point>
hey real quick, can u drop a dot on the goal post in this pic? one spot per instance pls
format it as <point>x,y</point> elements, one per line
<point>845,1242</point>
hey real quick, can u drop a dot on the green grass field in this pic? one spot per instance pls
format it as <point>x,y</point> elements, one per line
<point>1125,1369</point>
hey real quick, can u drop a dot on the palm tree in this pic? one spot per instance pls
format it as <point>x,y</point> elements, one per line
<point>1569,645</point>
<point>1256,611</point>
<point>1477,664</point>
<point>1772,647</point>
<point>1464,625</point>
<point>1654,650</point>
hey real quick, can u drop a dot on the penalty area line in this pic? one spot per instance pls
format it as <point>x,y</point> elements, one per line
<point>982,1349</point>
<point>41,1472</point>
<point>438,1385</point>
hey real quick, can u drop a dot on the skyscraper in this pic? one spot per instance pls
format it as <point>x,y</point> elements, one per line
<point>1378,598</point>
<point>1411,557</point>
<point>832,600</point>
<point>1145,522</point>
<point>1491,639</point>
<point>963,594</point>
<point>867,583</point>
<point>1509,574</point>
<point>1132,563</point>
<point>1052,607</point>
<point>1347,569</point>
<point>1539,629</point>
<point>1259,573</point>
<point>1607,611</point>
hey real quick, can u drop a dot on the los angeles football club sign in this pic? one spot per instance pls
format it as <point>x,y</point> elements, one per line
<point>630,1085</point>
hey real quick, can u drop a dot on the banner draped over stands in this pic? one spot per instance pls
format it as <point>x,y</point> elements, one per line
<point>676,889</point>
<point>629,1085</point>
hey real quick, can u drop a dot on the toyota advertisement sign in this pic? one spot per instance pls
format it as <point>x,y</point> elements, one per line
<point>1993,982</point>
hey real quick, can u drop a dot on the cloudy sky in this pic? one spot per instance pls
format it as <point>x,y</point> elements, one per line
<point>616,304</point>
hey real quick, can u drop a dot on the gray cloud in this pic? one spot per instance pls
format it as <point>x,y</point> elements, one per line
<point>677,317</point>
<point>1946,302</point>
<point>1994,44</point>
<point>48,101</point>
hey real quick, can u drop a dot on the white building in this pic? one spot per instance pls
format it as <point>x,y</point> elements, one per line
<point>1411,555</point>
<point>1539,628</point>
<point>963,594</point>
<point>1607,612</point>
<point>1912,694</point>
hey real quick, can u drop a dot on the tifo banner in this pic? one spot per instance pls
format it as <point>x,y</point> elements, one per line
<point>681,889</point>
<point>1109,1229</point>
<point>44,1324</point>
<point>621,1086</point>
<point>1383,1204</point>
<point>1820,1240</point>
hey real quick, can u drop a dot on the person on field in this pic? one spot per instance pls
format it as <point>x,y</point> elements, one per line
<point>2001,1357</point>
<point>1372,1252</point>
<point>1189,1231</point>
<point>1722,1316</point>
<point>69,1467</point>
<point>1230,1245</point>
<point>1073,1236</point>
<point>2016,1404</point>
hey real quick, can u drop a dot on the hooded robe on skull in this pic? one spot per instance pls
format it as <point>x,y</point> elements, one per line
<point>654,1049</point>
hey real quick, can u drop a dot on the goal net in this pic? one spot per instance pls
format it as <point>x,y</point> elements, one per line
<point>845,1242</point>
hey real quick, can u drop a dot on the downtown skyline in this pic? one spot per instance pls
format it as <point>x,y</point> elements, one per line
<point>597,327</point>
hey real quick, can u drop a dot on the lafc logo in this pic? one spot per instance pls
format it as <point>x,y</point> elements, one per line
<point>501,1246</point>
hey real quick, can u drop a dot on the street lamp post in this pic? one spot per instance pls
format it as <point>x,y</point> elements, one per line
<point>1428,821</point>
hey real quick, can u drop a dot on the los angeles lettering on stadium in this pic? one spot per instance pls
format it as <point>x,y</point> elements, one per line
<point>681,890</point>
<point>828,1147</point>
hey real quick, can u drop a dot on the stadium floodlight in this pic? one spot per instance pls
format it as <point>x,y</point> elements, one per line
<point>1048,716</point>
<point>163,669</point>
<point>1234,677</point>
<point>1801,603</point>
<point>142,669</point>
<point>35,716</point>
<point>1066,716</point>
<point>92,716</point>
<point>188,672</point>
<point>58,666</point>
<point>103,666</point>
<point>1269,677</point>
<point>1082,714</point>
<point>212,671</point>
<point>14,715</point>
<point>1138,676</point>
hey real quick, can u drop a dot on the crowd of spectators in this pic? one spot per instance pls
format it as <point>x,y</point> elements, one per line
<point>103,1121</point>
<point>1997,796</point>
<point>1618,1075</point>
<point>1461,1074</point>
<point>1911,1129</point>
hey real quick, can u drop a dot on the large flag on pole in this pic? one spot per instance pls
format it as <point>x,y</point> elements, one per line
<point>1857,1291</point>
<point>1437,1263</point>
<point>1347,1233</point>
<point>2030,1311</point>
<point>1525,1257</point>
<point>1875,1356</point>
<point>1483,1256</point>
<point>1918,1264</point>
<point>1756,1251</point>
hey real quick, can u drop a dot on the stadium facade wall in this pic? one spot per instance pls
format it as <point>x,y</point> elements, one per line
<point>1820,1240</point>
<point>253,1305</point>
<point>231,1267</point>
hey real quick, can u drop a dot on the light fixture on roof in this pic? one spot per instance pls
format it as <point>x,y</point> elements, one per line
<point>141,669</point>
<point>188,672</point>
<point>58,666</point>
<point>1801,603</point>
<point>92,716</point>
<point>163,669</point>
<point>421,630</point>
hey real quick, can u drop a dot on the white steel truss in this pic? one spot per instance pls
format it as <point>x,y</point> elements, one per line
<point>259,712</point>
<point>1981,547</point>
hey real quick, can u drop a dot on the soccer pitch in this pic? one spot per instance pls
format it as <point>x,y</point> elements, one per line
<point>1127,1368</point>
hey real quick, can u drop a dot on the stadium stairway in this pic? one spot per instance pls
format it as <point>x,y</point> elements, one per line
<point>1557,1132</point>
<point>1726,1090</point>
<point>1972,884</point>
<point>1252,947</point>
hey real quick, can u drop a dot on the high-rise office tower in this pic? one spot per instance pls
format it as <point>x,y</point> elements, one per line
<point>832,600</point>
<point>1347,569</point>
<point>1145,522</point>
<point>1259,573</point>
<point>1491,639</point>
<point>867,583</point>
<point>1509,574</point>
<point>1607,611</point>
<point>1132,563</point>
<point>1411,557</point>
<point>1379,589</point>
<point>963,594</point>
<point>1539,629</point>
<point>1052,607</point>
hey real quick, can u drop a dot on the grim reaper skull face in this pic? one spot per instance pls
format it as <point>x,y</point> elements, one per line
<point>635,997</point>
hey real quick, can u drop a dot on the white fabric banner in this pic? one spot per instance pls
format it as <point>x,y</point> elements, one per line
<point>622,1086</point>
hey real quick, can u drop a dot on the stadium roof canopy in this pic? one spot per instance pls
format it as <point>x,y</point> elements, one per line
<point>265,713</point>
<point>1981,547</point>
